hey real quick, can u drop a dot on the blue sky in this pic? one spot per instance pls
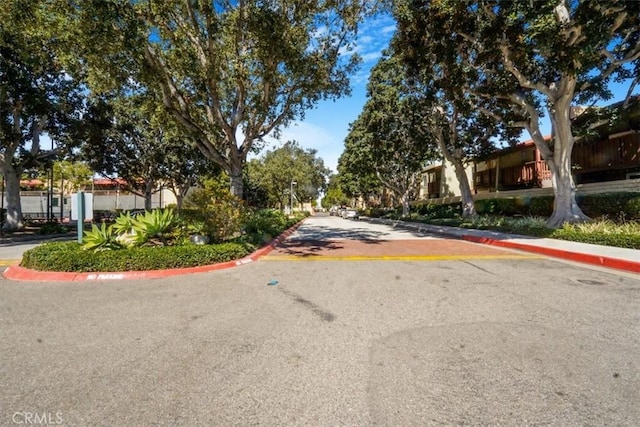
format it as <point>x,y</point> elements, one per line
<point>325,127</point>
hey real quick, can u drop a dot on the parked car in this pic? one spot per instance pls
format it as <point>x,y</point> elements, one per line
<point>351,214</point>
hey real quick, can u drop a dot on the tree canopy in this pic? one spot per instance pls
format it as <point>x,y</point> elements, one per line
<point>288,168</point>
<point>550,56</point>
<point>37,95</point>
<point>230,73</point>
<point>389,138</point>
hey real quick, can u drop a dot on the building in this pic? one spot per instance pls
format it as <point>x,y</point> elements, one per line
<point>606,152</point>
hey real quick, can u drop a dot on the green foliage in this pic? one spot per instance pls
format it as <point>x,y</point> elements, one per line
<point>101,239</point>
<point>220,213</point>
<point>53,228</point>
<point>554,55</point>
<point>602,232</point>
<point>609,204</point>
<point>632,208</point>
<point>38,94</point>
<point>435,210</point>
<point>387,144</point>
<point>69,256</point>
<point>225,66</point>
<point>154,225</point>
<point>501,206</point>
<point>123,224</point>
<point>71,176</point>
<point>374,212</point>
<point>541,206</point>
<point>266,224</point>
<point>278,169</point>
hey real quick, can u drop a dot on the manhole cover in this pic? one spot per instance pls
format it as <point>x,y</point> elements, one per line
<point>591,282</point>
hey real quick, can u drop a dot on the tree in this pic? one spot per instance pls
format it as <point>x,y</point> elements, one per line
<point>460,126</point>
<point>37,96</point>
<point>230,73</point>
<point>553,55</point>
<point>133,138</point>
<point>288,168</point>
<point>334,196</point>
<point>388,136</point>
<point>70,176</point>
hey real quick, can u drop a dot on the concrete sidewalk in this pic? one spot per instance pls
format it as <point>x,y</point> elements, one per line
<point>605,256</point>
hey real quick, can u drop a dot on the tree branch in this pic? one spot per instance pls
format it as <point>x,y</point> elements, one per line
<point>522,80</point>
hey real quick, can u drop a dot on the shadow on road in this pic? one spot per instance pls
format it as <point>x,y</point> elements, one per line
<point>321,232</point>
<point>308,248</point>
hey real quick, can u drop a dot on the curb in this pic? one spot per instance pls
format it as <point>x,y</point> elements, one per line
<point>585,258</point>
<point>18,273</point>
<point>602,261</point>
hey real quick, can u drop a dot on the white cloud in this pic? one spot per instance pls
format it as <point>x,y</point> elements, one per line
<point>388,29</point>
<point>309,135</point>
<point>371,56</point>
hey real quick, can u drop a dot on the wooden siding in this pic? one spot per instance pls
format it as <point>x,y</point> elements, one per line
<point>615,153</point>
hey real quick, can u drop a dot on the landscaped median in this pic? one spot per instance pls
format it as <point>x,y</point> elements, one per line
<point>243,252</point>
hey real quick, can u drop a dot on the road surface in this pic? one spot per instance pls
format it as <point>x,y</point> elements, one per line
<point>347,323</point>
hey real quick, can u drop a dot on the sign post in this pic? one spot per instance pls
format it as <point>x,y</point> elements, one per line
<point>81,209</point>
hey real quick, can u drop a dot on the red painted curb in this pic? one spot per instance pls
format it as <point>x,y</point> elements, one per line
<point>602,261</point>
<point>18,273</point>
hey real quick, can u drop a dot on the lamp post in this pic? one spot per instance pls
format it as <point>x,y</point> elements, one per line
<point>292,184</point>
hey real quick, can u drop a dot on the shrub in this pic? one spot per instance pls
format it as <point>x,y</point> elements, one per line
<point>213,205</point>
<point>500,206</point>
<point>541,206</point>
<point>433,210</point>
<point>606,204</point>
<point>101,239</point>
<point>632,208</point>
<point>69,256</point>
<point>603,232</point>
<point>268,222</point>
<point>372,212</point>
<point>154,226</point>
<point>53,228</point>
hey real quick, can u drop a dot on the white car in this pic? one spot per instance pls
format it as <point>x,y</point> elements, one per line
<point>351,214</point>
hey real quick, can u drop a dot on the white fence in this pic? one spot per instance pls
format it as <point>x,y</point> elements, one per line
<point>34,203</point>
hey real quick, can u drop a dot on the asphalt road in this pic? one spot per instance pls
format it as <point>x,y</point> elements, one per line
<point>497,339</point>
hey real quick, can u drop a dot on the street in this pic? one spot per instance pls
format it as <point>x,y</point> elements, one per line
<point>346,323</point>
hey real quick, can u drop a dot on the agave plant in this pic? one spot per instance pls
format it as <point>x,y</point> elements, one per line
<point>124,224</point>
<point>101,239</point>
<point>154,225</point>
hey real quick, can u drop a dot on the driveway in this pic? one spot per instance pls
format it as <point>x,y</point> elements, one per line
<point>351,338</point>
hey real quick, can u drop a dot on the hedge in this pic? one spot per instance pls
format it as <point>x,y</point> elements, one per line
<point>593,205</point>
<point>70,257</point>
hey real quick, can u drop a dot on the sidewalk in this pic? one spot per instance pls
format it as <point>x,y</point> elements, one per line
<point>604,256</point>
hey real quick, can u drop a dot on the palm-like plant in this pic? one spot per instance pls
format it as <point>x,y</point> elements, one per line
<point>101,239</point>
<point>124,224</point>
<point>156,224</point>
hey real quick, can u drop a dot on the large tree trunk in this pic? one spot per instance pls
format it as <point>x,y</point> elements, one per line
<point>468,205</point>
<point>235,174</point>
<point>12,194</point>
<point>148,195</point>
<point>565,207</point>
<point>405,204</point>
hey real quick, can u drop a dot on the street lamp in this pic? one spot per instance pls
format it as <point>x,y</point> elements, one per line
<point>291,191</point>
